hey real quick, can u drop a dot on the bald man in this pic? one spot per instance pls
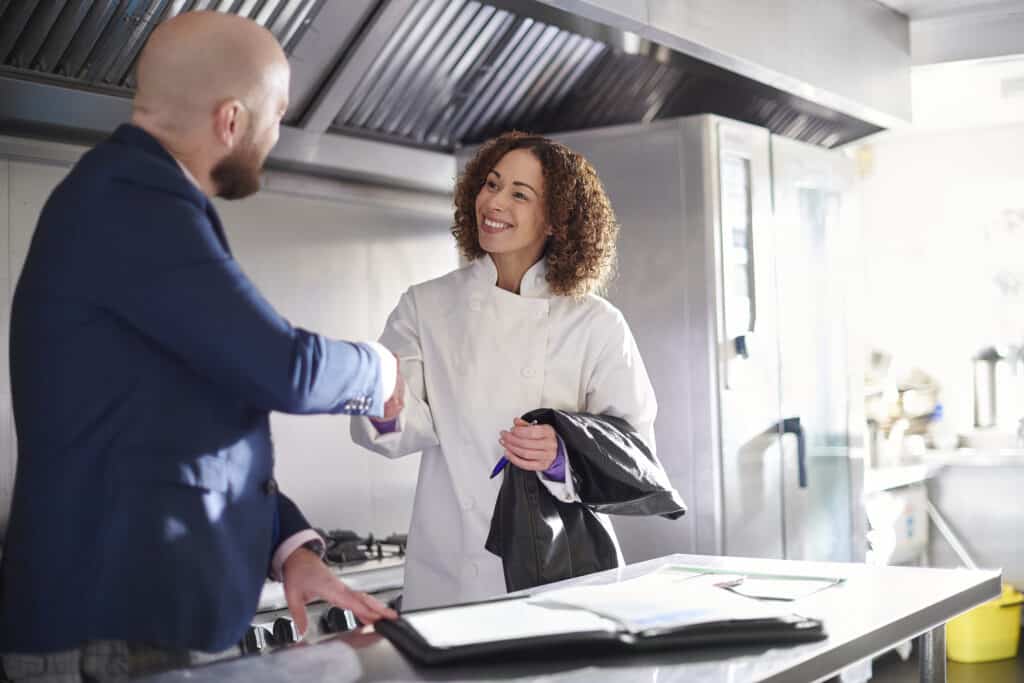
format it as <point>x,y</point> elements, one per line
<point>144,368</point>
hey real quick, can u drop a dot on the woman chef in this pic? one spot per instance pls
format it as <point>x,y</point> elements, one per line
<point>516,329</point>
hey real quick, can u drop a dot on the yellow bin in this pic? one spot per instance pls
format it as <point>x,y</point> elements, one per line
<point>988,632</point>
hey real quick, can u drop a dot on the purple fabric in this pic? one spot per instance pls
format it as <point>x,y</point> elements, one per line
<point>557,470</point>
<point>386,426</point>
<point>554,473</point>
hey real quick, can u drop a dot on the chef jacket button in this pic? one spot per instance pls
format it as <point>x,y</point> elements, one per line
<point>471,570</point>
<point>270,486</point>
<point>529,372</point>
<point>474,305</point>
<point>541,314</point>
<point>467,504</point>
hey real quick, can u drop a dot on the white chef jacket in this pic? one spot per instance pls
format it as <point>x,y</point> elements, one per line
<point>475,356</point>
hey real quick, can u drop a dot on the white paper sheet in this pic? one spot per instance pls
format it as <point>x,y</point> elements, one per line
<point>784,589</point>
<point>664,599</point>
<point>502,620</point>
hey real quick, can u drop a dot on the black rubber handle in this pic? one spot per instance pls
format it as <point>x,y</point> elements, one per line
<point>791,425</point>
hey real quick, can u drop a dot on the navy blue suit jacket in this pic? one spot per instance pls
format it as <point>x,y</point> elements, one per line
<point>144,366</point>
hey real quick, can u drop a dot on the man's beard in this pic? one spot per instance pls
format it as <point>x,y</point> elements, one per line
<point>238,174</point>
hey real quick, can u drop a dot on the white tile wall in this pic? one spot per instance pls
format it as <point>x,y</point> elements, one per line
<point>340,273</point>
<point>333,266</point>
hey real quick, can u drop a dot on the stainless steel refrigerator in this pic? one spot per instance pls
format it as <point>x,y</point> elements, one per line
<point>737,256</point>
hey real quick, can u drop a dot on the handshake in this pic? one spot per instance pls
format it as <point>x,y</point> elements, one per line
<point>393,406</point>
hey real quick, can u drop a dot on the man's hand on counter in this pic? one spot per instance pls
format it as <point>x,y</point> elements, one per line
<point>307,578</point>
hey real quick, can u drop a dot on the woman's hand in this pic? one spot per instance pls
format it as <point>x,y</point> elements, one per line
<point>530,447</point>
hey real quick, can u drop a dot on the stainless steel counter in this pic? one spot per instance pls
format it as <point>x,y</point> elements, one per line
<point>875,608</point>
<point>914,469</point>
<point>977,491</point>
<point>979,494</point>
<point>896,476</point>
<point>976,457</point>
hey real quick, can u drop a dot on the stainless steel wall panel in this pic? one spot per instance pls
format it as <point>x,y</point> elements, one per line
<point>981,502</point>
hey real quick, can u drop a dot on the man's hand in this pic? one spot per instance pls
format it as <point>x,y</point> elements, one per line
<point>307,578</point>
<point>393,406</point>
<point>530,447</point>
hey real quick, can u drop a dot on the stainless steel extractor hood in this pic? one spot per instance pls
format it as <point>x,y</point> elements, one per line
<point>422,75</point>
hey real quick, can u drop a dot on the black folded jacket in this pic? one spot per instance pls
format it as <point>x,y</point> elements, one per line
<point>541,539</point>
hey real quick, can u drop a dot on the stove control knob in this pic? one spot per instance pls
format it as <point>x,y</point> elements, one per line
<point>254,640</point>
<point>336,620</point>
<point>285,631</point>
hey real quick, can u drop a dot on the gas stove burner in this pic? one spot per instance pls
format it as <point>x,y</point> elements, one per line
<point>400,540</point>
<point>342,536</point>
<point>346,553</point>
<point>346,547</point>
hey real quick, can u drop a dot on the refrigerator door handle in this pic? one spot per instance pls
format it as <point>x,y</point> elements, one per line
<point>741,347</point>
<point>791,425</point>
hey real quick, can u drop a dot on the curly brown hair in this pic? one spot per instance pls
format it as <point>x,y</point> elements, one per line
<point>580,252</point>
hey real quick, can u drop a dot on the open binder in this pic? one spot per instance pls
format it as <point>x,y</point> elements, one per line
<point>671,608</point>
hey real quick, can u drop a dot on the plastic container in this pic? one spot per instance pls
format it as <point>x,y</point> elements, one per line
<point>988,632</point>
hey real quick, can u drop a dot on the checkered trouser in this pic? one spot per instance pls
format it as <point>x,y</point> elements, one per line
<point>95,662</point>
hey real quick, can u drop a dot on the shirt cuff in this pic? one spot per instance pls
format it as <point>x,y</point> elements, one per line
<point>565,490</point>
<point>286,548</point>
<point>386,426</point>
<point>388,370</point>
<point>557,470</point>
